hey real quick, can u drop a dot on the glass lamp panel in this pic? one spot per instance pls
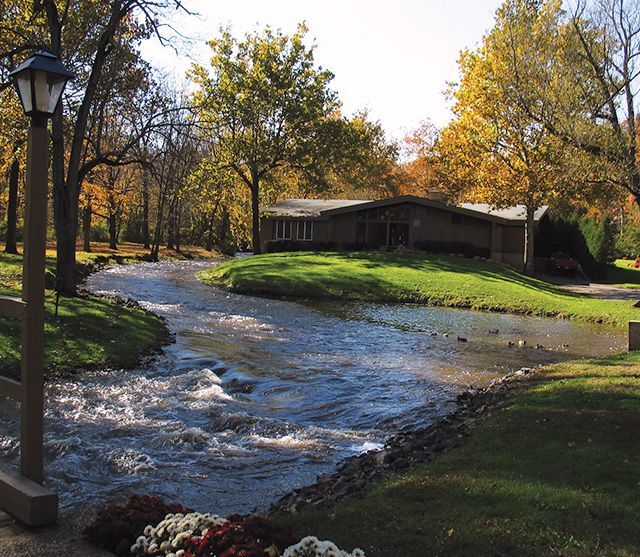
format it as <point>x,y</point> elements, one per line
<point>56,86</point>
<point>48,90</point>
<point>43,92</point>
<point>24,90</point>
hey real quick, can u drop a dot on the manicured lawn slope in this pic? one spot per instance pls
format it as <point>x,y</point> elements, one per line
<point>621,274</point>
<point>89,332</point>
<point>555,471</point>
<point>447,281</point>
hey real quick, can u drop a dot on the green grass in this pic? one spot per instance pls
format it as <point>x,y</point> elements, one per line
<point>90,332</point>
<point>555,471</point>
<point>622,275</point>
<point>392,277</point>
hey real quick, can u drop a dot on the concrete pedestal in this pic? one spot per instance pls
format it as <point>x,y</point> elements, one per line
<point>634,335</point>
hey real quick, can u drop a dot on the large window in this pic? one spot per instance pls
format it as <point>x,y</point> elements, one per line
<point>383,226</point>
<point>281,230</point>
<point>305,230</point>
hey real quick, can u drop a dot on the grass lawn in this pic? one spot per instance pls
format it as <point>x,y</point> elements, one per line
<point>555,471</point>
<point>90,332</point>
<point>393,277</point>
<point>621,274</point>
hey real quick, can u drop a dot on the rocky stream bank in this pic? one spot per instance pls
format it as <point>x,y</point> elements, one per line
<point>406,449</point>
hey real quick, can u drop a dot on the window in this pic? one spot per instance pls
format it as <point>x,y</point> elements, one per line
<point>456,218</point>
<point>281,230</point>
<point>305,230</point>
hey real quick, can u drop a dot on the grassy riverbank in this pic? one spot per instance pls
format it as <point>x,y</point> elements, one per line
<point>622,274</point>
<point>552,472</point>
<point>393,277</point>
<point>89,332</point>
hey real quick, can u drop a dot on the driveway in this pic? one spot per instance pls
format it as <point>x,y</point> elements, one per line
<point>582,286</point>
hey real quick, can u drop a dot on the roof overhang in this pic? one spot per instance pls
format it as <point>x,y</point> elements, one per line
<point>328,213</point>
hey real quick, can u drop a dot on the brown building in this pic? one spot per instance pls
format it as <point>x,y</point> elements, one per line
<point>408,221</point>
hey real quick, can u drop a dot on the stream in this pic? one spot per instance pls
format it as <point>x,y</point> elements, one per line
<point>256,396</point>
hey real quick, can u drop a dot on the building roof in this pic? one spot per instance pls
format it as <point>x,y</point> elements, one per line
<point>515,213</point>
<point>309,207</point>
<point>324,208</point>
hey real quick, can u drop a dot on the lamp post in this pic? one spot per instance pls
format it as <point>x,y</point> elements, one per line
<point>39,81</point>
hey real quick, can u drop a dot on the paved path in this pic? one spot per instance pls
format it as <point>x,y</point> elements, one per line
<point>582,286</point>
<point>604,291</point>
<point>64,538</point>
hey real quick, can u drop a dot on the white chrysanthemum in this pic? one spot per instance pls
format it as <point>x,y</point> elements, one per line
<point>313,547</point>
<point>169,535</point>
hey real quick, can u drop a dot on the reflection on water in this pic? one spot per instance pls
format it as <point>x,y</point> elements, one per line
<point>258,396</point>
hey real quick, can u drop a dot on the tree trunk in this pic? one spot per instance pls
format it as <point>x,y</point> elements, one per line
<point>171,222</point>
<point>12,208</point>
<point>113,231</point>
<point>87,213</point>
<point>66,224</point>
<point>529,237</point>
<point>145,210</point>
<point>255,214</point>
<point>210,233</point>
<point>176,225</point>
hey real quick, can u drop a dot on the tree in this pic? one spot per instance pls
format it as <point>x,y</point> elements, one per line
<point>587,63</point>
<point>88,35</point>
<point>494,150</point>
<point>266,107</point>
<point>419,149</point>
<point>16,38</point>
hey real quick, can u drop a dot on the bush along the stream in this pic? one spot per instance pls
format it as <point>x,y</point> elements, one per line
<point>116,528</point>
<point>183,533</point>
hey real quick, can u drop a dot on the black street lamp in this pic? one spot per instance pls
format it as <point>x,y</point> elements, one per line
<point>39,81</point>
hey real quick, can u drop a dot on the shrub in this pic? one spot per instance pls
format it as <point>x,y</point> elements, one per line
<point>99,232</point>
<point>465,248</point>
<point>117,528</point>
<point>276,246</point>
<point>627,242</point>
<point>566,235</point>
<point>599,234</point>
<point>171,534</point>
<point>239,537</point>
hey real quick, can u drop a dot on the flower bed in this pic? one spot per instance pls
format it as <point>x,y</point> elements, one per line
<point>148,527</point>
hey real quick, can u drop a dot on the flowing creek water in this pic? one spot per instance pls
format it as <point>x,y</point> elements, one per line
<point>259,396</point>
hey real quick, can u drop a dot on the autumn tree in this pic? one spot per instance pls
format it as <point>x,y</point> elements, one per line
<point>264,105</point>
<point>365,160</point>
<point>576,74</point>
<point>420,156</point>
<point>87,35</point>
<point>494,150</point>
<point>16,39</point>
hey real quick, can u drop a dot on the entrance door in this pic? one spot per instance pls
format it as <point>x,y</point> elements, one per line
<point>378,233</point>
<point>399,234</point>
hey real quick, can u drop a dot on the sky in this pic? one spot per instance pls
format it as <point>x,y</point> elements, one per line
<point>393,58</point>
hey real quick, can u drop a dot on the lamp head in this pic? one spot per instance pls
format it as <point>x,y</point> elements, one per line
<point>40,81</point>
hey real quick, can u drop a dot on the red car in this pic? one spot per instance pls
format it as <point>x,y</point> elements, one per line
<point>562,263</point>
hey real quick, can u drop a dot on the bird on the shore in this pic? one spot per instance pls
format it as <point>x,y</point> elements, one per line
<point>445,335</point>
<point>511,344</point>
<point>522,343</point>
<point>462,339</point>
<point>565,345</point>
<point>494,331</point>
<point>433,334</point>
<point>539,347</point>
